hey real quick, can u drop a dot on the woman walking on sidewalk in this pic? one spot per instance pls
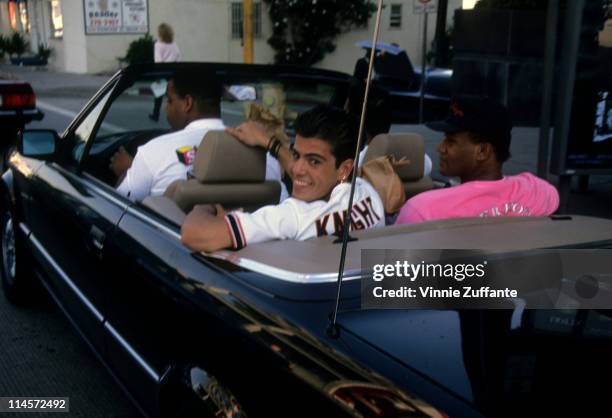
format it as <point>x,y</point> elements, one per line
<point>165,50</point>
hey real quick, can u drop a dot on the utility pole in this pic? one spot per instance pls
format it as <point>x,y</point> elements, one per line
<point>423,68</point>
<point>247,32</point>
<point>440,37</point>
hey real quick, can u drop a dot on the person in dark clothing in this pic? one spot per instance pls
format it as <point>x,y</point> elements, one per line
<point>361,66</point>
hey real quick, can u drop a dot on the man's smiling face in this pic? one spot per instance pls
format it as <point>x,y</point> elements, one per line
<point>314,169</point>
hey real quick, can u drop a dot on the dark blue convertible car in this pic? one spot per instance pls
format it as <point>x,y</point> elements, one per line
<point>243,333</point>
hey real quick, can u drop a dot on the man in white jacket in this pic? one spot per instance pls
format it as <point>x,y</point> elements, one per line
<point>192,108</point>
<point>320,167</point>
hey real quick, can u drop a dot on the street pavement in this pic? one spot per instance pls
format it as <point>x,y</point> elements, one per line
<point>41,355</point>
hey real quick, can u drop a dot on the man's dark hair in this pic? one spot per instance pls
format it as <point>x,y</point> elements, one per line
<point>334,126</point>
<point>378,111</point>
<point>500,143</point>
<point>203,86</point>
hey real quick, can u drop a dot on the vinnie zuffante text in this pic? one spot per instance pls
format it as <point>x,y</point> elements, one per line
<point>419,278</point>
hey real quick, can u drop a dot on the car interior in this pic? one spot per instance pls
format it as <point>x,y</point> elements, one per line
<point>226,171</point>
<point>217,177</point>
<point>283,100</point>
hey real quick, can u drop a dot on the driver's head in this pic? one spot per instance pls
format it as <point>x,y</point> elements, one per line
<point>192,95</point>
<point>477,135</point>
<point>323,151</point>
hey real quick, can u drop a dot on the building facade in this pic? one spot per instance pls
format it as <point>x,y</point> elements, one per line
<point>90,36</point>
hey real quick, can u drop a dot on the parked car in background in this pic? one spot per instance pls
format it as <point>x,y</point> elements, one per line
<point>17,108</point>
<point>243,333</point>
<point>393,71</point>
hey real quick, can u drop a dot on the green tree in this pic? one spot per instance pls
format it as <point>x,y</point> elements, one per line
<point>16,44</point>
<point>140,51</point>
<point>304,31</point>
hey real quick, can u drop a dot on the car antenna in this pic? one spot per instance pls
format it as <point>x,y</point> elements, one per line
<point>333,331</point>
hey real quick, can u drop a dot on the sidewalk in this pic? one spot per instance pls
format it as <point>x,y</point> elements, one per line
<point>47,83</point>
<point>596,201</point>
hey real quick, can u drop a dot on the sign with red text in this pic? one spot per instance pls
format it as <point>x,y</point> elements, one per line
<point>422,6</point>
<point>116,16</point>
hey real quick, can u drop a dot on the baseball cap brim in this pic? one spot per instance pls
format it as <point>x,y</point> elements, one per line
<point>444,126</point>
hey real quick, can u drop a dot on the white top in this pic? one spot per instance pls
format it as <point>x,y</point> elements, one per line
<point>157,163</point>
<point>164,52</point>
<point>299,220</point>
<point>273,172</point>
<point>427,165</point>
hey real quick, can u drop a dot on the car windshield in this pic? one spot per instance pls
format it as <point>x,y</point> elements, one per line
<point>136,111</point>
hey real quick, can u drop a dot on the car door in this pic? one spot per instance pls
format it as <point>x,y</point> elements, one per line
<point>70,216</point>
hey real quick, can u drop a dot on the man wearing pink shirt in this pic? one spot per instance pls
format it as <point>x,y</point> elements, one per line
<point>476,144</point>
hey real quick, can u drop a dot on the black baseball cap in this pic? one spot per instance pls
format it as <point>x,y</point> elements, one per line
<point>482,116</point>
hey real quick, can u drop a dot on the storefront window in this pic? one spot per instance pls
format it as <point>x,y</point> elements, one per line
<point>57,20</point>
<point>23,15</point>
<point>237,20</point>
<point>12,14</point>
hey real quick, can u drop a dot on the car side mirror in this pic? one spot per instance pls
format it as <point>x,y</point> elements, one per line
<point>37,143</point>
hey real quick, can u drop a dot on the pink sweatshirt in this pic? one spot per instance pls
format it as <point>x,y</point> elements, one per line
<point>520,195</point>
<point>166,52</point>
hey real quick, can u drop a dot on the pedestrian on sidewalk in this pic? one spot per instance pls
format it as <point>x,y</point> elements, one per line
<point>165,50</point>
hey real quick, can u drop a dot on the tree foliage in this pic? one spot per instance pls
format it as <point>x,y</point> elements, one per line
<point>304,31</point>
<point>16,44</point>
<point>140,51</point>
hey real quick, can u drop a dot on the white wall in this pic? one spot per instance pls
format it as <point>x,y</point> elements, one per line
<point>409,36</point>
<point>74,55</point>
<point>5,27</point>
<point>103,51</point>
<point>201,29</point>
<point>203,32</point>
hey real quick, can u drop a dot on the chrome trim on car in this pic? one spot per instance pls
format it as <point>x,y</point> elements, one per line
<point>277,273</point>
<point>26,231</point>
<point>131,351</point>
<point>65,278</point>
<point>154,223</point>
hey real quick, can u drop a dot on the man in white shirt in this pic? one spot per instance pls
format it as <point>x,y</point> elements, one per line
<point>192,109</point>
<point>321,164</point>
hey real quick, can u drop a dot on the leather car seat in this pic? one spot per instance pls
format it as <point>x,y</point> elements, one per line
<point>411,146</point>
<point>228,172</point>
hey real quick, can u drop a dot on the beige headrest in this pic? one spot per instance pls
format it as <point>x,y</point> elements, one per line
<point>221,158</point>
<point>409,145</point>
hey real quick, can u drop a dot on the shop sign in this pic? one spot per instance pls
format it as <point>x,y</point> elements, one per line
<point>116,16</point>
